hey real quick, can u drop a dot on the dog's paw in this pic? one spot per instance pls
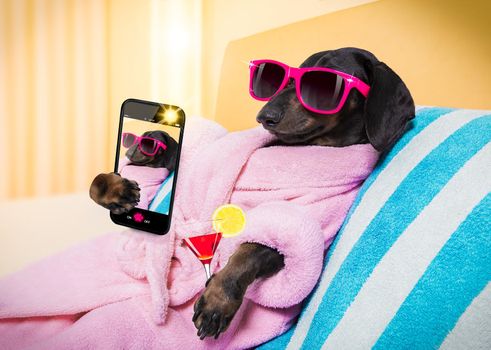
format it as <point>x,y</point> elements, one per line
<point>115,193</point>
<point>216,307</point>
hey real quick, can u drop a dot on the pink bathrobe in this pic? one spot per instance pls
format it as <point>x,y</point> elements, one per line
<point>149,179</point>
<point>134,290</point>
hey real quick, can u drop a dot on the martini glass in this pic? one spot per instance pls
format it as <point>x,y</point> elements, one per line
<point>204,247</point>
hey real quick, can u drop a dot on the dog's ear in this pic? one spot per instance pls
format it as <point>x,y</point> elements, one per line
<point>388,108</point>
<point>170,154</point>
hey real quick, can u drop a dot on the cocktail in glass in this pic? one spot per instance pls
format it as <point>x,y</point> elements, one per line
<point>204,247</point>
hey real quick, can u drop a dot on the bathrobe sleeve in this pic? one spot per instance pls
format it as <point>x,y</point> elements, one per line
<point>198,133</point>
<point>286,227</point>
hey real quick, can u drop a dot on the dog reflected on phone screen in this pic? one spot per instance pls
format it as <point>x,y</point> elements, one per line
<point>140,191</point>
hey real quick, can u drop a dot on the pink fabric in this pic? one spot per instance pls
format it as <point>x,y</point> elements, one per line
<point>136,290</point>
<point>149,179</point>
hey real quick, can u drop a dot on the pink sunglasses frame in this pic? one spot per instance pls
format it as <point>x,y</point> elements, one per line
<point>138,140</point>
<point>350,82</point>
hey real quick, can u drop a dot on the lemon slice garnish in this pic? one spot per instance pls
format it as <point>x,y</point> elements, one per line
<point>229,219</point>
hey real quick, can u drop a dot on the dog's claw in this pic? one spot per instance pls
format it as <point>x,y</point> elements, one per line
<point>196,314</point>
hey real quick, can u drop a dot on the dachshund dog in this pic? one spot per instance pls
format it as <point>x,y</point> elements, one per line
<point>118,194</point>
<point>378,119</point>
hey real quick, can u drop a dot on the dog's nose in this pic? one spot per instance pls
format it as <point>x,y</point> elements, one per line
<point>270,117</point>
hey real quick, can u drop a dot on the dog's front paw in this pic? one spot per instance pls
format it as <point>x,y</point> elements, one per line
<point>115,193</point>
<point>216,307</point>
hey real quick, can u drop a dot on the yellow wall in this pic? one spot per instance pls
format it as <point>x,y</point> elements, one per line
<point>227,20</point>
<point>155,53</point>
<point>441,49</point>
<point>65,68</point>
<point>53,91</point>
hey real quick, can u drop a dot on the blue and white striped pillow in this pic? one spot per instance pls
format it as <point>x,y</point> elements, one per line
<point>411,267</point>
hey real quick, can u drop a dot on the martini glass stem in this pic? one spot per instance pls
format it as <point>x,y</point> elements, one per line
<point>207,270</point>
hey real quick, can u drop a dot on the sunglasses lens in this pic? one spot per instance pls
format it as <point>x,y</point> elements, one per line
<point>128,140</point>
<point>267,79</point>
<point>321,90</point>
<point>148,145</point>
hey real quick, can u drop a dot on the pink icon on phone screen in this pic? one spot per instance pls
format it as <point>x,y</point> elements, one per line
<point>138,217</point>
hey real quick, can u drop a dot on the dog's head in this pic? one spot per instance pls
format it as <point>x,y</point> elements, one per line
<point>380,118</point>
<point>162,159</point>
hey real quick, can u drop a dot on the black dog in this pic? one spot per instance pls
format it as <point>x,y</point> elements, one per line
<point>379,119</point>
<point>120,195</point>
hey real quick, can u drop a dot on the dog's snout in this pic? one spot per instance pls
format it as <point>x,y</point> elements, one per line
<point>269,117</point>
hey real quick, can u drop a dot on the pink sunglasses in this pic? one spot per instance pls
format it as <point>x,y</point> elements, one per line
<point>147,145</point>
<point>320,90</point>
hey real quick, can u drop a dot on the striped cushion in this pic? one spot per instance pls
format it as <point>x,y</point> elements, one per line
<point>411,267</point>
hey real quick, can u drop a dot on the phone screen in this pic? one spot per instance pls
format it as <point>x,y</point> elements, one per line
<point>149,143</point>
